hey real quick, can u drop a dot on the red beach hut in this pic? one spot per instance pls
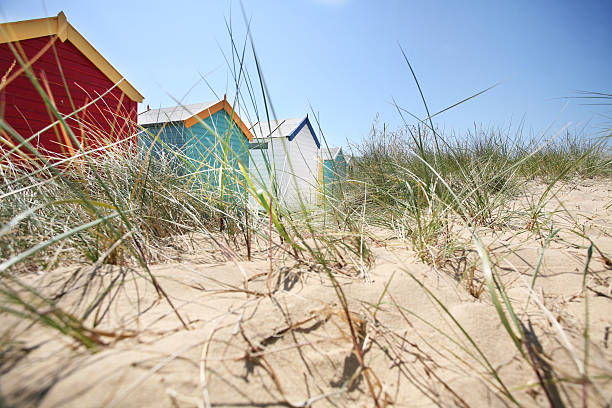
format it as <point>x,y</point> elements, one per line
<point>77,79</point>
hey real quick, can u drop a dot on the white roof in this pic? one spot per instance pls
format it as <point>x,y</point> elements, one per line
<point>331,153</point>
<point>275,128</point>
<point>173,113</point>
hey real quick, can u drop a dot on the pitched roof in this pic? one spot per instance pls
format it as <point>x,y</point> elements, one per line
<point>192,114</point>
<point>331,153</point>
<point>283,128</point>
<point>178,113</point>
<point>274,128</point>
<point>58,25</point>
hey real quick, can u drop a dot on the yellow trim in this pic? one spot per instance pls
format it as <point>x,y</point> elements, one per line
<point>221,105</point>
<point>24,30</point>
<point>42,27</point>
<point>211,110</point>
<point>62,26</point>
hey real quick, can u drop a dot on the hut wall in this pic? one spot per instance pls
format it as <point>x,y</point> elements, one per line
<point>295,167</point>
<point>211,157</point>
<point>72,81</point>
<point>304,158</point>
<point>334,170</point>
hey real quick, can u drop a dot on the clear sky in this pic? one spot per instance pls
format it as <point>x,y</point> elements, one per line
<point>342,56</point>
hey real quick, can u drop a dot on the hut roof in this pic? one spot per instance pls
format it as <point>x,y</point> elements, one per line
<point>192,114</point>
<point>59,26</point>
<point>331,153</point>
<point>178,113</point>
<point>288,128</point>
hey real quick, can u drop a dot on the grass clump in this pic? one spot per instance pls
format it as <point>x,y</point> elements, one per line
<point>426,192</point>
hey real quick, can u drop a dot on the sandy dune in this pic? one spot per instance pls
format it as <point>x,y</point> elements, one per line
<point>244,347</point>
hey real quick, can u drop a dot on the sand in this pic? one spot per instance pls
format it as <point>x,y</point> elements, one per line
<point>286,341</point>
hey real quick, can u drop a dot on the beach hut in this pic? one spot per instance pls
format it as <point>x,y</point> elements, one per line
<point>350,162</point>
<point>207,140</point>
<point>332,167</point>
<point>73,74</point>
<point>284,157</point>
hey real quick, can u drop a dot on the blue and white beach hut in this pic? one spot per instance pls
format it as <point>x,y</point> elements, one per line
<point>284,159</point>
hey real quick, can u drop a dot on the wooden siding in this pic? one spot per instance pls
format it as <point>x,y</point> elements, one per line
<point>215,154</point>
<point>295,167</point>
<point>72,81</point>
<point>333,170</point>
<point>211,157</point>
<point>59,26</point>
<point>304,154</point>
<point>171,144</point>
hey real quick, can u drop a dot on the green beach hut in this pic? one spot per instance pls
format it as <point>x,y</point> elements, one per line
<point>332,167</point>
<point>206,141</point>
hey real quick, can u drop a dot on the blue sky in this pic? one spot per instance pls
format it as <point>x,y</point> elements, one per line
<point>342,57</point>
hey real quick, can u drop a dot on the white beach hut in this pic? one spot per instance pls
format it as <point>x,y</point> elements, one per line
<point>287,152</point>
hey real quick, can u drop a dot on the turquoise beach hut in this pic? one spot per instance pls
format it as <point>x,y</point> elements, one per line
<point>205,140</point>
<point>332,167</point>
